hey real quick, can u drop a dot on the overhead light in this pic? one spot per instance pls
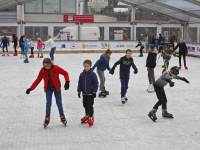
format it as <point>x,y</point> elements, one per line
<point>136,8</point>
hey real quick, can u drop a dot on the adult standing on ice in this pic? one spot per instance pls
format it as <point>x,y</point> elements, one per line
<point>50,42</point>
<point>50,74</point>
<point>102,64</point>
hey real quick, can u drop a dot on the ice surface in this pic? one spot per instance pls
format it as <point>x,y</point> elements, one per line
<point>116,126</point>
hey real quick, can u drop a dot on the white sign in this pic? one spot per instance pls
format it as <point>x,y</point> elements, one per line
<point>68,6</point>
<point>118,34</point>
<point>51,6</point>
<point>33,7</point>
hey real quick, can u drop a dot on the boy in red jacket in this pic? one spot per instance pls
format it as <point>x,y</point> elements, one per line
<point>50,74</point>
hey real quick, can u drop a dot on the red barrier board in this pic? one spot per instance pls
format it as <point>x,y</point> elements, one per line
<point>78,18</point>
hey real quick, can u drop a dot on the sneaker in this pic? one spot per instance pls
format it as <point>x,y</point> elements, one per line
<point>123,100</point>
<point>186,67</point>
<point>3,54</point>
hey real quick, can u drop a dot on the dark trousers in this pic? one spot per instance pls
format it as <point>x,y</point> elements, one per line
<point>124,86</point>
<point>141,50</point>
<point>180,55</point>
<point>22,50</point>
<point>32,50</point>
<point>58,97</point>
<point>162,99</point>
<point>151,76</point>
<point>88,102</point>
<point>15,47</point>
<point>6,48</point>
<point>172,45</point>
<point>166,64</point>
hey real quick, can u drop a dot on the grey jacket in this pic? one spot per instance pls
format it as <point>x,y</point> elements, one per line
<point>162,81</point>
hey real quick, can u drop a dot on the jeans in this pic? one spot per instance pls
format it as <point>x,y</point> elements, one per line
<point>6,48</point>
<point>102,79</point>
<point>52,53</point>
<point>151,76</point>
<point>124,86</point>
<point>40,50</point>
<point>58,97</point>
<point>162,99</point>
<point>88,102</point>
<point>26,51</point>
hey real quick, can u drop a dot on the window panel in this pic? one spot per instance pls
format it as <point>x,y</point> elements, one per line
<point>51,6</point>
<point>34,7</point>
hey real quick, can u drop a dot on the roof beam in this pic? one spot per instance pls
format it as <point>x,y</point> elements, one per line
<point>193,2</point>
<point>13,4</point>
<point>168,16</point>
<point>176,9</point>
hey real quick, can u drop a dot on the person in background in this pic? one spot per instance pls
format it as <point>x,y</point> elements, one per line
<point>146,39</point>
<point>5,43</point>
<point>26,48</point>
<point>173,39</point>
<point>125,38</point>
<point>31,47</point>
<point>39,47</point>
<point>156,42</point>
<point>150,40</point>
<point>153,40</point>
<point>164,38</point>
<point>160,39</point>
<point>21,46</point>
<point>182,52</point>
<point>141,47</point>
<point>15,40</point>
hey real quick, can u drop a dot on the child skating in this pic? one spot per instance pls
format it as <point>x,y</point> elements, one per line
<point>125,64</point>
<point>50,74</point>
<point>31,47</point>
<point>102,64</point>
<point>159,85</point>
<point>141,47</point>
<point>39,47</point>
<point>88,85</point>
<point>5,43</point>
<point>26,48</point>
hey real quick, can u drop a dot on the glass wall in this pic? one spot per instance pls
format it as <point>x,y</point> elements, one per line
<point>71,30</point>
<point>168,31</point>
<point>51,6</point>
<point>141,32</point>
<point>192,34</point>
<point>35,32</point>
<point>11,9</point>
<point>119,33</point>
<point>92,33</point>
<point>7,31</point>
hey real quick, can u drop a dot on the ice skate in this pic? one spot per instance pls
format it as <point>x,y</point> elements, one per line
<point>141,55</point>
<point>63,120</point>
<point>106,92</point>
<point>166,114</point>
<point>151,89</point>
<point>163,71</point>
<point>123,100</point>
<point>91,121</point>
<point>102,95</point>
<point>3,54</point>
<point>163,66</point>
<point>8,54</point>
<point>126,99</point>
<point>46,121</point>
<point>21,57</point>
<point>186,67</point>
<point>38,56</point>
<point>179,68</point>
<point>152,115</point>
<point>52,61</point>
<point>85,119</point>
<point>26,61</point>
<point>15,54</point>
<point>41,56</point>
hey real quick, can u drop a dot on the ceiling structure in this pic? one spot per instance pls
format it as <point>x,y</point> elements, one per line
<point>11,3</point>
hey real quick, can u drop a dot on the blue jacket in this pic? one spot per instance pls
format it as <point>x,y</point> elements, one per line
<point>25,43</point>
<point>156,42</point>
<point>88,83</point>
<point>125,65</point>
<point>102,63</point>
<point>167,53</point>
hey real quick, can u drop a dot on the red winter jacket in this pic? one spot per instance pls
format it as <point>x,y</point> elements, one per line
<point>55,71</point>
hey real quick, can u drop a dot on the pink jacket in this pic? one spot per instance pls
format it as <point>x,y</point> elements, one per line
<point>38,43</point>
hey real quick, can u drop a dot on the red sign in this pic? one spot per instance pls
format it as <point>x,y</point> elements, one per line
<point>78,18</point>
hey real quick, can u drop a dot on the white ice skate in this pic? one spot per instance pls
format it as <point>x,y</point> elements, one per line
<point>123,100</point>
<point>151,89</point>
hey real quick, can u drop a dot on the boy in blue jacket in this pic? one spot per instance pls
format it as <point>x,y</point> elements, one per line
<point>88,85</point>
<point>26,47</point>
<point>125,64</point>
<point>102,64</point>
<point>167,53</point>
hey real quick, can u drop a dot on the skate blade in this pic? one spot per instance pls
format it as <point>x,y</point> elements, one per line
<point>65,123</point>
<point>45,125</point>
<point>90,125</point>
<point>151,118</point>
<point>102,96</point>
<point>123,102</point>
<point>168,117</point>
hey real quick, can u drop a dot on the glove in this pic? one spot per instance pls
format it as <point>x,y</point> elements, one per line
<point>135,71</point>
<point>148,70</point>
<point>184,79</point>
<point>171,84</point>
<point>42,43</point>
<point>79,95</point>
<point>94,95</point>
<point>66,85</point>
<point>112,71</point>
<point>28,91</point>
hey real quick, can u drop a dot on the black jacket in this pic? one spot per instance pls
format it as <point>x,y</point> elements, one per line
<point>125,65</point>
<point>21,40</point>
<point>139,44</point>
<point>4,42</point>
<point>151,60</point>
<point>182,48</point>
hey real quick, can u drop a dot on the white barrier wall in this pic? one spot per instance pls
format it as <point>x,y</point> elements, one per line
<point>193,49</point>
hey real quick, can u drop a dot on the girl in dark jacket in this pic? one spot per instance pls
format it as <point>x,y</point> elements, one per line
<point>14,37</point>
<point>50,74</point>
<point>182,52</point>
<point>151,64</point>
<point>5,43</point>
<point>141,47</point>
<point>22,46</point>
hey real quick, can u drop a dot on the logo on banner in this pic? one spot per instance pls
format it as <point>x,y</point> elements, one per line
<point>88,46</point>
<point>120,46</point>
<point>191,49</point>
<point>198,49</point>
<point>73,46</point>
<point>83,46</point>
<point>105,46</point>
<point>70,17</point>
<point>130,46</point>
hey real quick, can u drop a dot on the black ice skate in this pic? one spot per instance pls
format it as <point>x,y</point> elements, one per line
<point>126,99</point>
<point>63,120</point>
<point>102,95</point>
<point>26,61</point>
<point>123,100</point>
<point>166,114</point>
<point>106,92</point>
<point>46,121</point>
<point>152,115</point>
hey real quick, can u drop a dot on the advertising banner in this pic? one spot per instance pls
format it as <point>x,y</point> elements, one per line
<point>78,18</point>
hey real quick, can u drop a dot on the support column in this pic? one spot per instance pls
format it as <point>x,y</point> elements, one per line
<point>185,32</point>
<point>21,20</point>
<point>133,21</point>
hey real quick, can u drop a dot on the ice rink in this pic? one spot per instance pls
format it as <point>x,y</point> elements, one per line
<point>116,126</point>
